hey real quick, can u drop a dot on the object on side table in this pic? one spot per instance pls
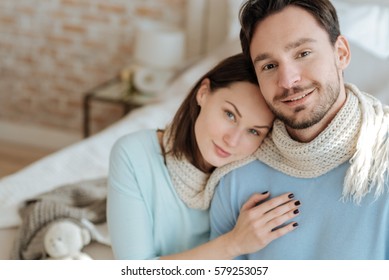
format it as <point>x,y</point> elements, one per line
<point>159,51</point>
<point>121,91</point>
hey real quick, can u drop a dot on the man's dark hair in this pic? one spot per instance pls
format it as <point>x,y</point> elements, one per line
<point>254,11</point>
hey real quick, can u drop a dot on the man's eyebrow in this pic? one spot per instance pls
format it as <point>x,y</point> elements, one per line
<point>288,47</point>
<point>261,57</point>
<point>298,43</point>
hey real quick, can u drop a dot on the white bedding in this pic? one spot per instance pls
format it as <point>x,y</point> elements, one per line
<point>88,158</point>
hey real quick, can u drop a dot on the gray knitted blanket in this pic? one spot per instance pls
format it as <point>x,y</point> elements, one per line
<point>83,201</point>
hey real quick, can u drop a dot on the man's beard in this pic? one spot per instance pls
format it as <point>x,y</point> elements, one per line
<point>329,97</point>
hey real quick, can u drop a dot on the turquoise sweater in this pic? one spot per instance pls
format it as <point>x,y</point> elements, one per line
<point>328,228</point>
<point>146,218</point>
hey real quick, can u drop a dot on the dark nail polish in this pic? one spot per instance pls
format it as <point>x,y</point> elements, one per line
<point>291,195</point>
<point>295,224</point>
<point>297,203</point>
<point>296,211</point>
<point>265,192</point>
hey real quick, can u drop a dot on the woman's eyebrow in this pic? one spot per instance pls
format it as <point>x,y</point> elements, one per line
<point>240,115</point>
<point>236,109</point>
<point>262,126</point>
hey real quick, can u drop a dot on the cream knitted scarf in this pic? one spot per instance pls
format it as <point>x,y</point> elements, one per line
<point>359,134</point>
<point>188,181</point>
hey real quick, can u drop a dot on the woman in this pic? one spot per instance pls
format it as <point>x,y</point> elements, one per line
<point>158,198</point>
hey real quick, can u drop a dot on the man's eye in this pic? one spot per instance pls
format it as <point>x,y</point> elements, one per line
<point>303,54</point>
<point>268,66</point>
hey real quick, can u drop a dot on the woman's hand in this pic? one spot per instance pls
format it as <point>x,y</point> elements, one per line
<point>259,222</point>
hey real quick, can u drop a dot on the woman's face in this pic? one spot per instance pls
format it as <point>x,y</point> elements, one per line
<point>232,123</point>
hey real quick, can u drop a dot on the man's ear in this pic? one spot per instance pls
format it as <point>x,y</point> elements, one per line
<point>342,52</point>
<point>203,91</point>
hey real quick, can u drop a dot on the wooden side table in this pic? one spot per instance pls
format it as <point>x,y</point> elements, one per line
<point>113,91</point>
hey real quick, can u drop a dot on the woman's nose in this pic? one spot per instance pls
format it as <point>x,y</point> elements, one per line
<point>232,137</point>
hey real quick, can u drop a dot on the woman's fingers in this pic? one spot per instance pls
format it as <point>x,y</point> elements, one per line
<point>262,220</point>
<point>281,231</point>
<point>275,202</point>
<point>280,220</point>
<point>275,212</point>
<point>254,200</point>
<point>280,210</point>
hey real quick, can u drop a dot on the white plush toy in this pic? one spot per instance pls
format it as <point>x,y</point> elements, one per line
<point>65,239</point>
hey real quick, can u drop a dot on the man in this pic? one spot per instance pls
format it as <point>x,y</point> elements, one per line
<point>329,145</point>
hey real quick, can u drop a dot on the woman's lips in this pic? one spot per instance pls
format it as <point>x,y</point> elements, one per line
<point>220,152</point>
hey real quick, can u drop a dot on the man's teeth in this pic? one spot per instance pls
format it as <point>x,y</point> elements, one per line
<point>298,98</point>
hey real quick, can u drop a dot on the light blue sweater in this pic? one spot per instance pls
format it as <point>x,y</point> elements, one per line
<point>146,218</point>
<point>328,228</point>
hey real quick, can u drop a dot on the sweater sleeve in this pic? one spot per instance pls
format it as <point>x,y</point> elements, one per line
<point>129,223</point>
<point>223,214</point>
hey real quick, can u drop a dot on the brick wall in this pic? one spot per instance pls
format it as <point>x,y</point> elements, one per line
<point>52,51</point>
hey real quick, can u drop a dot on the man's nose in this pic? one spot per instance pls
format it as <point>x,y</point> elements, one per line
<point>288,75</point>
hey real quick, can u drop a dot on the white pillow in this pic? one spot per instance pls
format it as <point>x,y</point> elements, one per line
<point>234,24</point>
<point>365,24</point>
<point>379,2</point>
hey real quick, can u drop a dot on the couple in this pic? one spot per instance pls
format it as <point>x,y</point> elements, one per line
<point>328,148</point>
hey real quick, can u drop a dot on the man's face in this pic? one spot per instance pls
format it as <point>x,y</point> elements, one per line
<point>299,70</point>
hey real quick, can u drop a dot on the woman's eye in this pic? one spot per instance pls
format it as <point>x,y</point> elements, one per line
<point>230,115</point>
<point>254,132</point>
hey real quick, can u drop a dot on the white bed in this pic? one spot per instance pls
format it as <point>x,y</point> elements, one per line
<point>88,158</point>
